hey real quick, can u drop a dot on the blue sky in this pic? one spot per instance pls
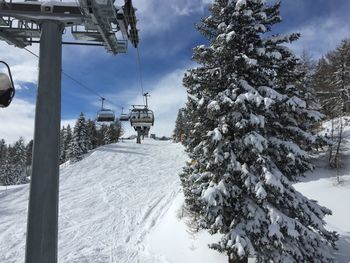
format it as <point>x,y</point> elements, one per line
<point>167,36</point>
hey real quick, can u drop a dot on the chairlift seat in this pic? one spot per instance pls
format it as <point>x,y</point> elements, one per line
<point>7,91</point>
<point>105,115</point>
<point>124,117</point>
<point>141,118</point>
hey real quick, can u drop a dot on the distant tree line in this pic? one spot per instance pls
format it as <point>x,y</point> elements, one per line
<point>15,162</point>
<point>86,136</point>
<point>331,81</point>
<point>16,159</point>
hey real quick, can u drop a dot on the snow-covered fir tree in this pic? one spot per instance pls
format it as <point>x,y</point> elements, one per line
<point>80,143</point>
<point>332,81</point>
<point>341,75</point>
<point>13,165</point>
<point>304,84</point>
<point>62,149</point>
<point>29,152</point>
<point>92,134</point>
<point>181,126</point>
<point>3,150</point>
<point>247,122</point>
<point>10,174</point>
<point>67,142</point>
<point>111,134</point>
<point>102,137</point>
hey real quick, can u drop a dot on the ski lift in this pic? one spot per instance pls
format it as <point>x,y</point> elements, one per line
<point>124,116</point>
<point>105,115</point>
<point>141,116</point>
<point>7,88</point>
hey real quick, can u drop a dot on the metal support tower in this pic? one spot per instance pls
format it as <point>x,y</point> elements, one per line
<point>24,23</point>
<point>42,224</point>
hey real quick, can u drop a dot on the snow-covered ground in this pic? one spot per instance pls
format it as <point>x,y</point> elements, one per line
<point>122,203</point>
<point>109,202</point>
<point>323,186</point>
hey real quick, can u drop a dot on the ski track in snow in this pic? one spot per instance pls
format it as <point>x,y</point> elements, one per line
<point>109,202</point>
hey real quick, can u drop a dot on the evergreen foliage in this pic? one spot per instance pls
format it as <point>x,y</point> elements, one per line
<point>92,134</point>
<point>13,163</point>
<point>29,153</point>
<point>16,159</point>
<point>181,131</point>
<point>249,124</point>
<point>332,81</point>
<point>102,137</point>
<point>80,140</point>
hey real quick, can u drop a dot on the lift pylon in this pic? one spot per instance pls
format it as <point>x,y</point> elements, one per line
<point>24,23</point>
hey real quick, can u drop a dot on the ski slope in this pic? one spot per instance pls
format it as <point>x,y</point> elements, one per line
<point>109,202</point>
<point>121,203</point>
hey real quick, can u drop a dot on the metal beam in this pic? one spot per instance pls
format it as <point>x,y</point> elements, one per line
<point>74,43</point>
<point>43,200</point>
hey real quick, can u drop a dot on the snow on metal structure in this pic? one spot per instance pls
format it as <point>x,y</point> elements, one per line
<point>92,22</point>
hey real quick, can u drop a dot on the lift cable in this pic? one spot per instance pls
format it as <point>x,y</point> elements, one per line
<point>140,74</point>
<point>79,83</point>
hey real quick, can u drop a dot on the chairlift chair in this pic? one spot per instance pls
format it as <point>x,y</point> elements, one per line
<point>7,88</point>
<point>105,115</point>
<point>124,116</point>
<point>141,117</point>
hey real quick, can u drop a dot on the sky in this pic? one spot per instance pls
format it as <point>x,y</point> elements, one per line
<point>167,36</point>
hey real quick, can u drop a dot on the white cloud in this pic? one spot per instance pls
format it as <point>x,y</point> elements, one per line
<point>24,66</point>
<point>65,123</point>
<point>322,35</point>
<point>17,120</point>
<point>167,96</point>
<point>156,15</point>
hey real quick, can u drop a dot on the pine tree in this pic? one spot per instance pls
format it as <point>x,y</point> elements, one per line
<point>29,153</point>
<point>29,157</point>
<point>101,135</point>
<point>92,134</point>
<point>3,156</point>
<point>247,121</point>
<point>67,142</point>
<point>63,152</point>
<point>3,150</point>
<point>13,168</point>
<point>304,84</point>
<point>341,75</point>
<point>80,141</point>
<point>112,134</point>
<point>332,81</point>
<point>181,126</point>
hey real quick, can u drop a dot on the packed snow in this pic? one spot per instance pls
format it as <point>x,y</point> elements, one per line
<point>122,203</point>
<point>109,202</point>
